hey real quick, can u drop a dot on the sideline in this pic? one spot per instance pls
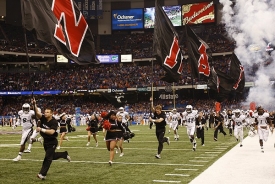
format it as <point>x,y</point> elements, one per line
<point>244,165</point>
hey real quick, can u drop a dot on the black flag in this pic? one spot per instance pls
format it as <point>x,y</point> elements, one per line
<point>198,54</point>
<point>237,73</point>
<point>166,46</point>
<point>120,99</point>
<point>60,23</point>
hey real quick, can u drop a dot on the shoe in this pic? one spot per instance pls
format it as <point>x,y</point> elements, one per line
<point>237,140</point>
<point>40,176</point>
<point>116,151</point>
<point>96,144</point>
<point>215,139</point>
<point>202,144</point>
<point>194,149</point>
<point>262,150</point>
<point>88,144</point>
<point>121,154</point>
<point>68,158</point>
<point>27,151</point>
<point>110,163</point>
<point>40,139</point>
<point>168,141</point>
<point>241,145</point>
<point>16,159</point>
<point>67,138</point>
<point>157,156</point>
<point>58,147</point>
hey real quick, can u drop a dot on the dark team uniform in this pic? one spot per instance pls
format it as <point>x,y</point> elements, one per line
<point>50,144</point>
<point>220,127</point>
<point>63,126</point>
<point>200,130</point>
<point>160,130</point>
<point>93,124</point>
<point>230,123</point>
<point>115,132</point>
<point>69,126</point>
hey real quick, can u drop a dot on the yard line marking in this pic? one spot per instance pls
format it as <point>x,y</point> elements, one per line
<point>123,163</point>
<point>213,152</point>
<point>166,181</point>
<point>186,169</point>
<point>198,161</point>
<point>204,157</point>
<point>177,175</point>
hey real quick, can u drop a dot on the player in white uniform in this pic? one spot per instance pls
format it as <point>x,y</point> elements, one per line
<point>34,135</point>
<point>263,124</point>
<point>239,121</point>
<point>189,116</point>
<point>174,118</point>
<point>26,117</point>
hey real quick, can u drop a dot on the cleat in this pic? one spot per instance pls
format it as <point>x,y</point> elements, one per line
<point>121,154</point>
<point>237,140</point>
<point>88,144</point>
<point>40,139</point>
<point>68,158</point>
<point>16,159</point>
<point>110,163</point>
<point>194,149</point>
<point>96,144</point>
<point>215,139</point>
<point>58,147</point>
<point>40,176</point>
<point>168,141</point>
<point>27,151</point>
<point>202,144</point>
<point>157,156</point>
<point>241,145</point>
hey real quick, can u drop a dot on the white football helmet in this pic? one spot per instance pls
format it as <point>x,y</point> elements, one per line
<point>189,108</point>
<point>237,113</point>
<point>121,109</point>
<point>174,111</point>
<point>26,108</point>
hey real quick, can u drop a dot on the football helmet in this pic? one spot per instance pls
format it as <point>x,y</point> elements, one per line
<point>237,113</point>
<point>189,108</point>
<point>26,108</point>
<point>174,111</point>
<point>121,109</point>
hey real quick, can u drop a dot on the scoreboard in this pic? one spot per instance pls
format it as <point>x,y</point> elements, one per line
<point>91,9</point>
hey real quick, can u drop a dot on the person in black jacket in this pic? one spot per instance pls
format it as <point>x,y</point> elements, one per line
<point>47,129</point>
<point>200,123</point>
<point>218,125</point>
<point>159,120</point>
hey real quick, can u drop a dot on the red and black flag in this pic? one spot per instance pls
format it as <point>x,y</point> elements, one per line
<point>198,54</point>
<point>237,73</point>
<point>166,46</point>
<point>60,23</point>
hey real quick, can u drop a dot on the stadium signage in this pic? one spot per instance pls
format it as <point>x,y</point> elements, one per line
<point>127,19</point>
<point>123,17</point>
<point>117,90</point>
<point>168,96</point>
<point>142,89</point>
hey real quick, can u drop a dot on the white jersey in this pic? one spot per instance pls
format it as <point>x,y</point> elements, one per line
<point>25,119</point>
<point>174,117</point>
<point>262,122</point>
<point>190,118</point>
<point>239,121</point>
<point>124,116</point>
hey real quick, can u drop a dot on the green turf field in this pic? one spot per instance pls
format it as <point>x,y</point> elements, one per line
<point>179,164</point>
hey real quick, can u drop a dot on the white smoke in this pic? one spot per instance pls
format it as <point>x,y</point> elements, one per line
<point>251,24</point>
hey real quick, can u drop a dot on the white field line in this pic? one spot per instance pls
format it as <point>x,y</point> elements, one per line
<point>177,169</point>
<point>123,163</point>
<point>177,175</point>
<point>198,161</point>
<point>166,181</point>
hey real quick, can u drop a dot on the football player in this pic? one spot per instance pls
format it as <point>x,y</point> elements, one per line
<point>174,118</point>
<point>189,117</point>
<point>26,116</point>
<point>263,123</point>
<point>239,121</point>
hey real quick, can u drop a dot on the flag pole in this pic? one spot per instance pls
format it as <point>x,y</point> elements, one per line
<point>152,95</point>
<point>174,96</point>
<point>26,47</point>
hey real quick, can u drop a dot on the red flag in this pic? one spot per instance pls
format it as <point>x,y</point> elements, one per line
<point>217,106</point>
<point>252,106</point>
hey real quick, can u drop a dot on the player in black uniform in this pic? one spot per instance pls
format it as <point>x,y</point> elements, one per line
<point>47,129</point>
<point>200,123</point>
<point>218,121</point>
